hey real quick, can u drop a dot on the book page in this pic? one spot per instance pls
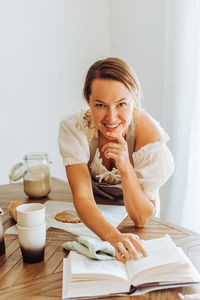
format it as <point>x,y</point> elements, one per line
<point>161,251</point>
<point>83,266</point>
<point>142,291</point>
<point>65,278</point>
<point>85,277</point>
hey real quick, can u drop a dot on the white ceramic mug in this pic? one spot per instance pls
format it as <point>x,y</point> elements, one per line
<point>32,242</point>
<point>30,214</point>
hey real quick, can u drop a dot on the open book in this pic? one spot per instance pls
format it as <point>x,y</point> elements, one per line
<point>165,266</point>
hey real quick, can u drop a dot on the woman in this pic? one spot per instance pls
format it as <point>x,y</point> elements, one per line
<point>114,150</point>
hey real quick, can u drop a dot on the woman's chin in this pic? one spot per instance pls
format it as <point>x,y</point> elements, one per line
<point>108,133</point>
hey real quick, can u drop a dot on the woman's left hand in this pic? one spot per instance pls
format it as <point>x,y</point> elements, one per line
<point>117,150</point>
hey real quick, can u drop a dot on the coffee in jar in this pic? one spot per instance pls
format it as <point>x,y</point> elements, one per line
<point>37,177</point>
<point>37,181</point>
<point>35,173</point>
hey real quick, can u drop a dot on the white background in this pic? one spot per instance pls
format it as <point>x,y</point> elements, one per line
<point>46,47</point>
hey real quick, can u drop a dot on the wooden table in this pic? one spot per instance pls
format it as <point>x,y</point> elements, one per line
<point>43,280</point>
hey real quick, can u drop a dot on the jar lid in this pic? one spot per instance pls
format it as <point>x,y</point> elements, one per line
<point>36,156</point>
<point>17,172</point>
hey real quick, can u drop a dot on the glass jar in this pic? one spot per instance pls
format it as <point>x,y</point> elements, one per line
<point>35,173</point>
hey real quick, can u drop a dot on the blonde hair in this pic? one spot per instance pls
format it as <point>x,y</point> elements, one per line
<point>115,69</point>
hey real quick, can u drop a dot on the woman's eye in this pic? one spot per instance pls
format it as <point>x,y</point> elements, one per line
<point>99,105</point>
<point>122,104</point>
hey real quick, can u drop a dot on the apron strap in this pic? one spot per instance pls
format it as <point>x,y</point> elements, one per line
<point>93,149</point>
<point>130,139</point>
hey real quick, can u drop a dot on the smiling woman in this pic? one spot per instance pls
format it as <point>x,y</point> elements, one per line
<point>114,151</point>
<point>111,105</point>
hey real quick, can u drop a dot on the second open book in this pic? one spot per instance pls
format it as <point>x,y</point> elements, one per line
<point>165,266</point>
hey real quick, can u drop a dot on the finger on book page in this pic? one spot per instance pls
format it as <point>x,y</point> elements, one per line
<point>131,249</point>
<point>138,245</point>
<point>119,256</point>
<point>123,251</point>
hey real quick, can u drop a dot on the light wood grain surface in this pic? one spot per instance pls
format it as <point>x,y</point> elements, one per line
<point>41,281</point>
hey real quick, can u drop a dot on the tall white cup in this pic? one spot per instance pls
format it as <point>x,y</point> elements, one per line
<point>32,242</point>
<point>31,214</point>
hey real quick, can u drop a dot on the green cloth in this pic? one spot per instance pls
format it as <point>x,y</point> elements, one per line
<point>91,247</point>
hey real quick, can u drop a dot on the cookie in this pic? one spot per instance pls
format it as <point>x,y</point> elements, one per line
<point>12,209</point>
<point>68,216</point>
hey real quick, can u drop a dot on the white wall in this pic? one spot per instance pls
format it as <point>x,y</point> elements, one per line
<point>137,28</point>
<point>180,94</point>
<point>46,48</point>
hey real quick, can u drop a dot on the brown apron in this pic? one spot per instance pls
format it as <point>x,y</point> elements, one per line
<point>104,190</point>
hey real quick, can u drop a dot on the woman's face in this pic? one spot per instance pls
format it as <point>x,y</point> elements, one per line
<point>112,106</point>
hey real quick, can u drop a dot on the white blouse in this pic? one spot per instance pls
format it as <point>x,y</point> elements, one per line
<point>153,163</point>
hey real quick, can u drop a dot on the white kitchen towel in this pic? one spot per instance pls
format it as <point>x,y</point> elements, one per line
<point>92,247</point>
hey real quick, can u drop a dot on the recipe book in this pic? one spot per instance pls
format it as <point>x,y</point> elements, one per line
<point>165,266</point>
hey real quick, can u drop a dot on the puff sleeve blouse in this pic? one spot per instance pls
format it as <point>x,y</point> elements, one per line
<point>153,163</point>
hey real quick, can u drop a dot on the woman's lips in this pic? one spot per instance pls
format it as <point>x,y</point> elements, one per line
<point>111,125</point>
